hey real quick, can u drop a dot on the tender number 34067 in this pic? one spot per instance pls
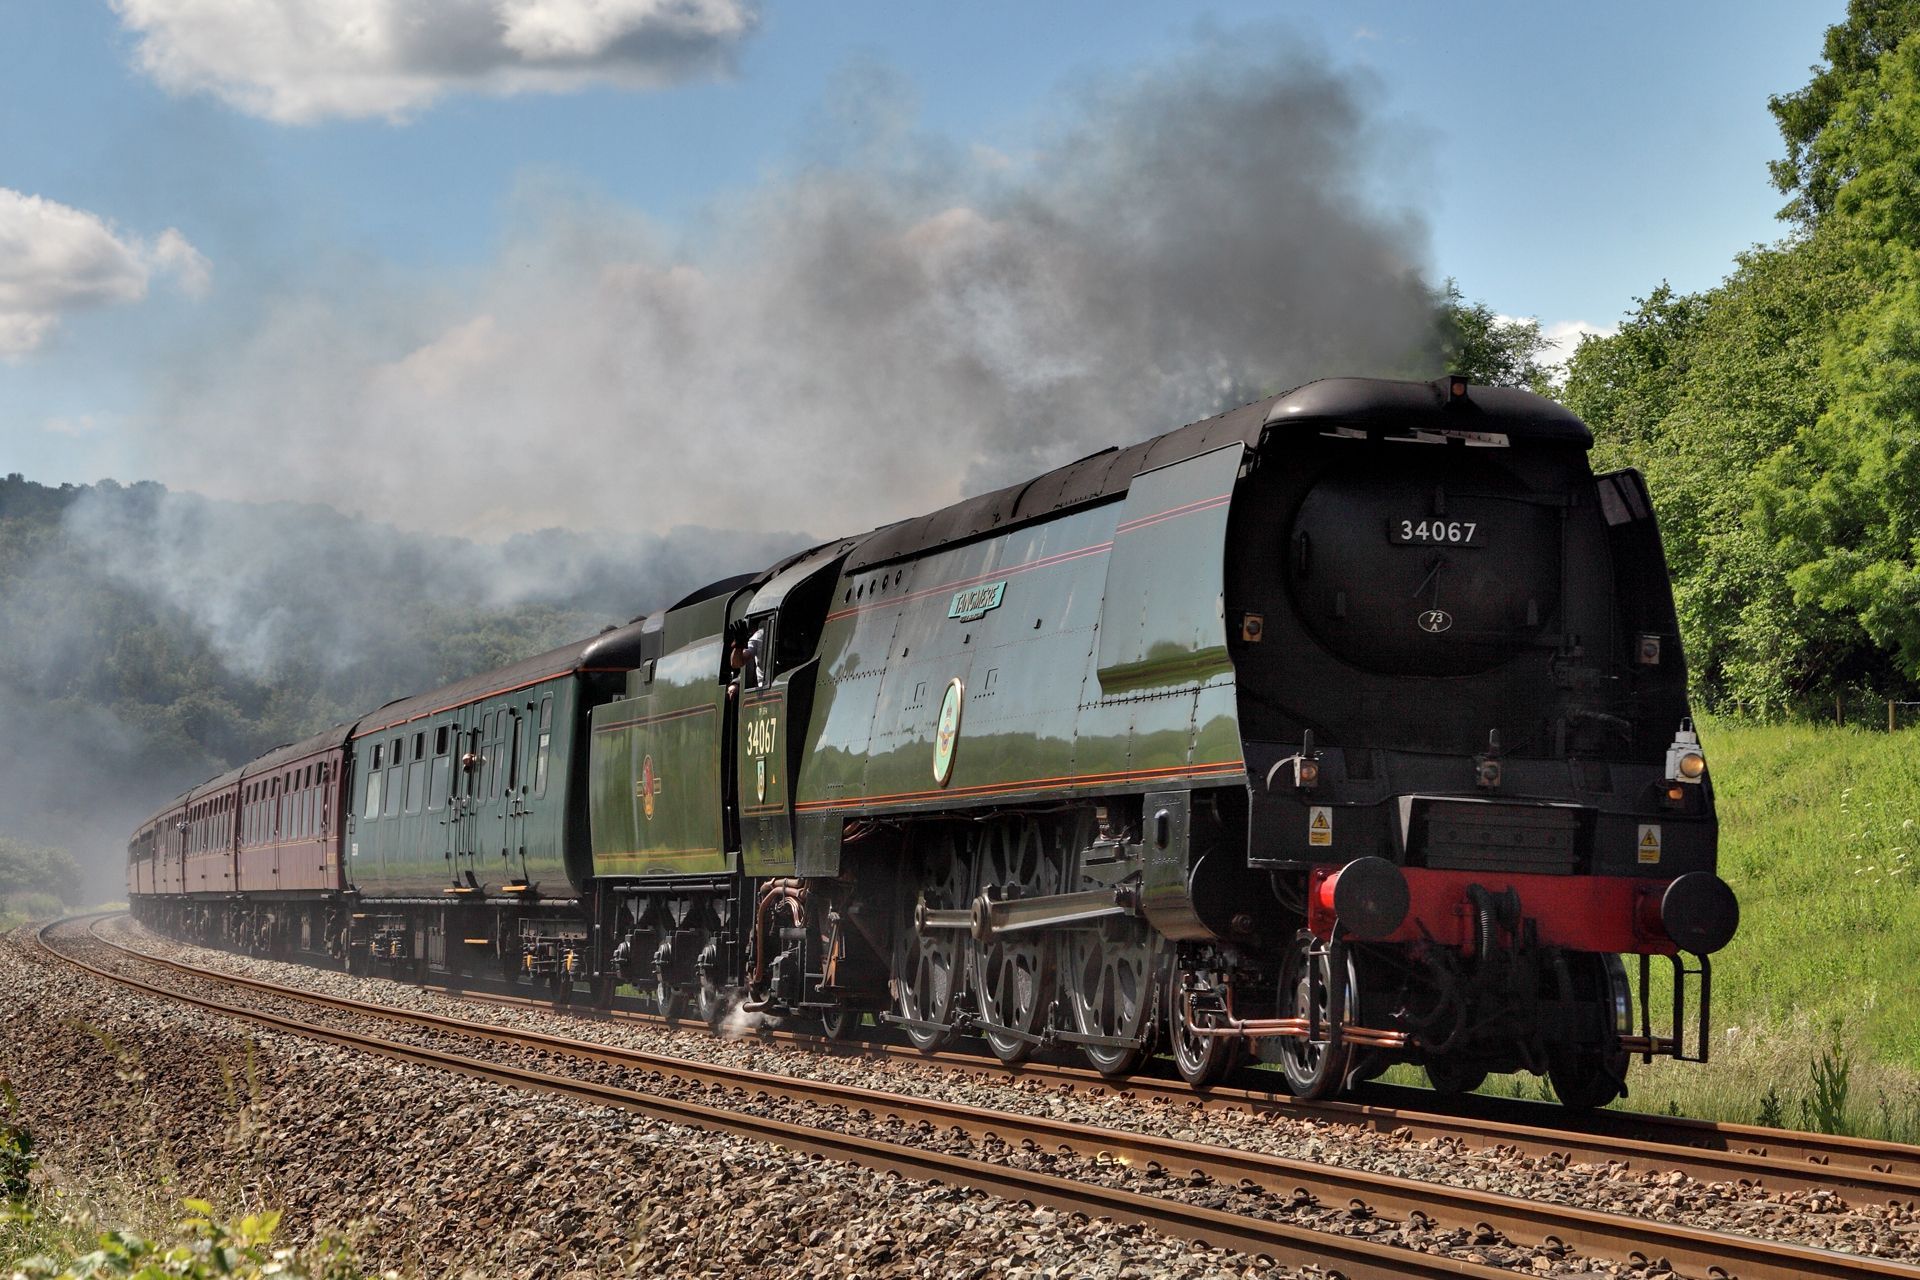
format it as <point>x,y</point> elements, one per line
<point>1458,532</point>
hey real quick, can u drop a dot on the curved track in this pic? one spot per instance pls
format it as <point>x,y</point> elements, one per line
<point>1777,1159</point>
<point>1556,1228</point>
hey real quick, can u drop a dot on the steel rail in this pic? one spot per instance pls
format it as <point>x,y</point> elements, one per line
<point>1706,1150</point>
<point>1294,1246</point>
<point>1709,1151</point>
<point>1636,1137</point>
<point>1596,1233</point>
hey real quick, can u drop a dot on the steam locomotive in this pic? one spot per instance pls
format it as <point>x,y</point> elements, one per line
<point>1344,728</point>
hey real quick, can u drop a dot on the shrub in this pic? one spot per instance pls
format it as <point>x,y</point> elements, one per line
<point>1825,1109</point>
<point>208,1249</point>
<point>16,1148</point>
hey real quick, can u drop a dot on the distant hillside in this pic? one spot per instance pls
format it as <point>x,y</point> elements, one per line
<point>150,639</point>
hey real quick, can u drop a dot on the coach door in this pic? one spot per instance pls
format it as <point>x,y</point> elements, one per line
<point>468,799</point>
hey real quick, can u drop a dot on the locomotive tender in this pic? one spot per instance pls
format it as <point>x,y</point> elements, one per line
<point>1347,727</point>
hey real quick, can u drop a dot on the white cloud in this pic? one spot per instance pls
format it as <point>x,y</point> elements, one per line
<point>55,259</point>
<point>298,61</point>
<point>190,268</point>
<point>1563,337</point>
<point>75,428</point>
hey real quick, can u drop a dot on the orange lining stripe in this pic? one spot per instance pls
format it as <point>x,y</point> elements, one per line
<point>663,717</point>
<point>1205,504</point>
<point>1045,562</point>
<point>1202,504</point>
<point>1032,784</point>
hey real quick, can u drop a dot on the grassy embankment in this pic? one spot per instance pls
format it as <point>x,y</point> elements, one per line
<point>1820,838</point>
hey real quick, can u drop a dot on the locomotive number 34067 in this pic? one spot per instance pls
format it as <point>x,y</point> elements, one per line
<point>1453,533</point>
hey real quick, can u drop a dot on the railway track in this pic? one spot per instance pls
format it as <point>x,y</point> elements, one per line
<point>1776,1159</point>
<point>1553,1231</point>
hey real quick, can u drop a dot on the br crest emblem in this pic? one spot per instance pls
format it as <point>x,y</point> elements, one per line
<point>647,786</point>
<point>947,731</point>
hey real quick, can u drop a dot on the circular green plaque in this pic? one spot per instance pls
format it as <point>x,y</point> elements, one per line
<point>947,732</point>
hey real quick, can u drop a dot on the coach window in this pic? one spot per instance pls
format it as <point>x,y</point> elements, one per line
<point>493,774</point>
<point>417,774</point>
<point>439,788</point>
<point>496,765</point>
<point>395,785</point>
<point>482,737</point>
<point>543,748</point>
<point>513,756</point>
<point>545,743</point>
<point>372,809</point>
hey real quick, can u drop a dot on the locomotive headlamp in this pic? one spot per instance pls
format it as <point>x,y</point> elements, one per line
<point>1304,767</point>
<point>1486,767</point>
<point>1685,762</point>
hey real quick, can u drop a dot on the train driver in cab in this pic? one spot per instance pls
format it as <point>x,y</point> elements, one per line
<point>746,655</point>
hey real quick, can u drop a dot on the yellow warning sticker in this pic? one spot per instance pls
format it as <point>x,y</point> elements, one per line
<point>1649,842</point>
<point>1320,826</point>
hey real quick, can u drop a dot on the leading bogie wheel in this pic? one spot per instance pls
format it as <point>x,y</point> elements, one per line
<point>1313,1068</point>
<point>1202,1060</point>
<point>838,1022</point>
<point>1587,1076</point>
<point>1454,1075</point>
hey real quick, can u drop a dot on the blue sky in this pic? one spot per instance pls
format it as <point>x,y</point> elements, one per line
<point>265,245</point>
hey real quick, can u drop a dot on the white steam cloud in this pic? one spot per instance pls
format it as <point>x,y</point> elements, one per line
<point>907,321</point>
<point>299,61</point>
<point>56,260</point>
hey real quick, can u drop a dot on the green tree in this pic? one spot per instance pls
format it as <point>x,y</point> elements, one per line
<point>1816,119</point>
<point>1486,347</point>
<point>26,868</point>
<point>1842,502</point>
<point>1700,392</point>
<point>1626,383</point>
